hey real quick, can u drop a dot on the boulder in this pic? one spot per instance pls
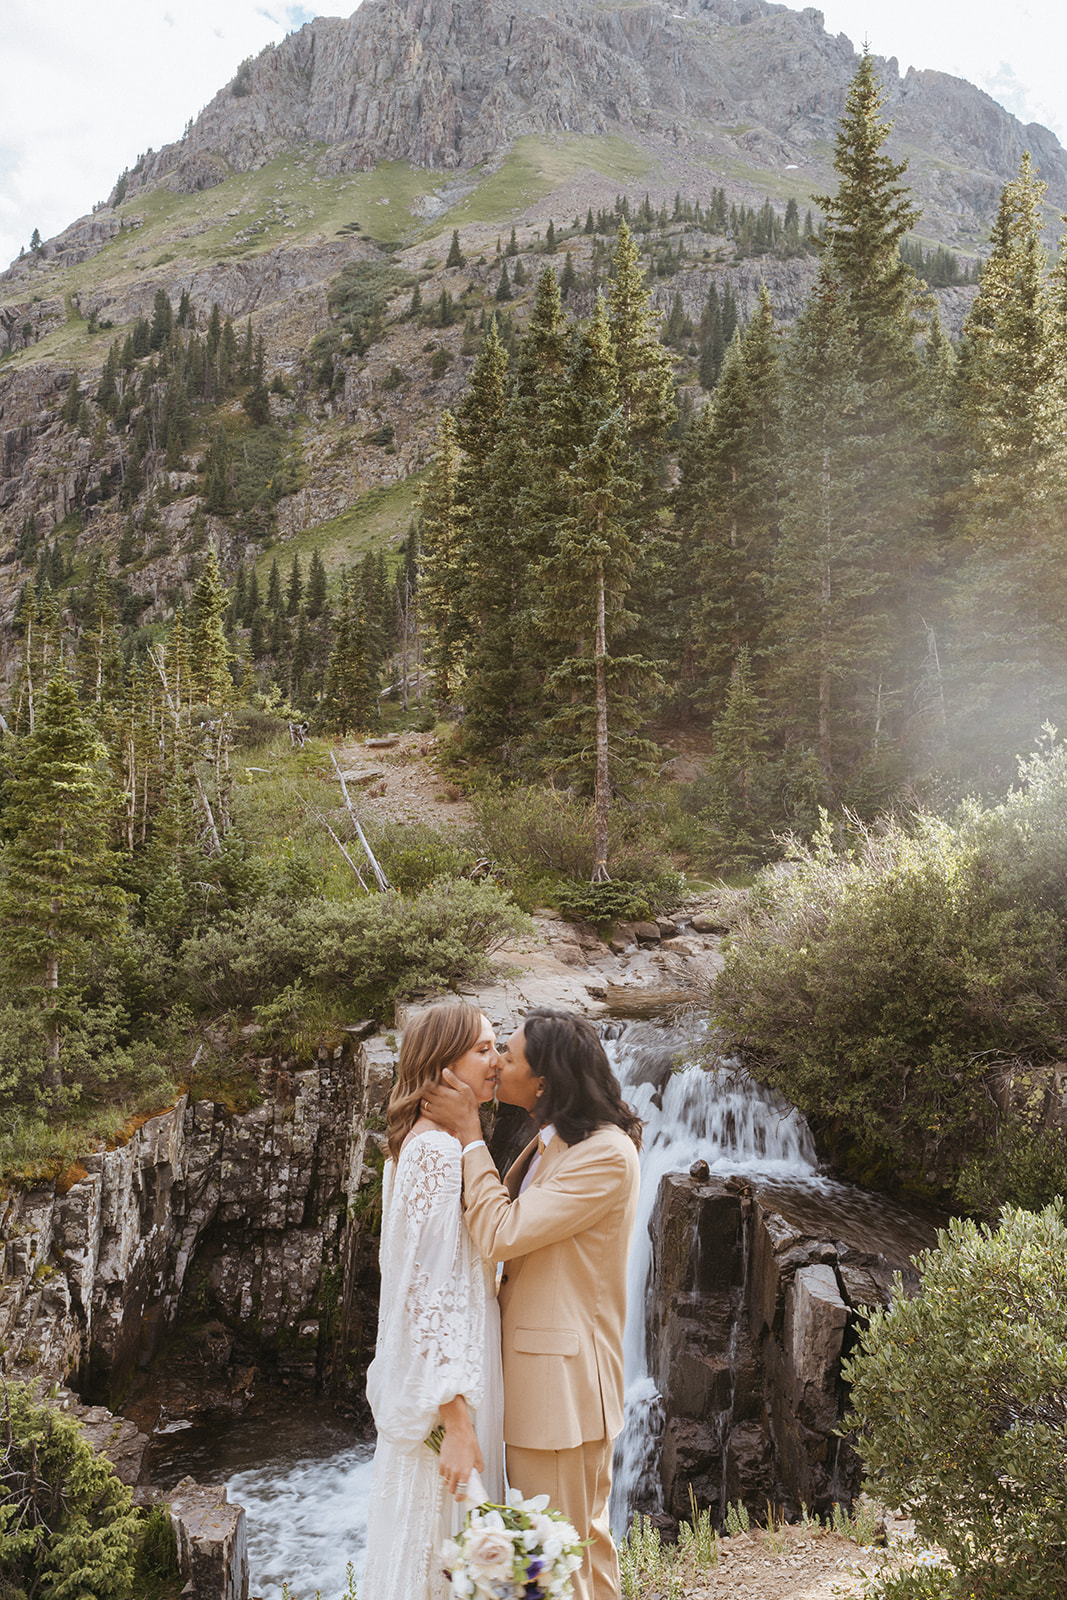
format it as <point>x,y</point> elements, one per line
<point>212,1542</point>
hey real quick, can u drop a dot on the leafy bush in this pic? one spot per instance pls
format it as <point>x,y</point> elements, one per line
<point>881,983</point>
<point>414,855</point>
<point>363,953</point>
<point>602,902</point>
<point>538,836</point>
<point>959,1399</point>
<point>67,1525</point>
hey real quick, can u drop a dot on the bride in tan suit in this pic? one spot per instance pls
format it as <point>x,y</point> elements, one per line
<point>561,1223</point>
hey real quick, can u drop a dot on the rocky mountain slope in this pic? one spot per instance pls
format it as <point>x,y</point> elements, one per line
<point>370,139</point>
<point>448,85</point>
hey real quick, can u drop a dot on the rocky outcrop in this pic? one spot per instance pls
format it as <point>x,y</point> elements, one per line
<point>449,85</point>
<point>212,1542</point>
<point>238,1218</point>
<point>757,1295</point>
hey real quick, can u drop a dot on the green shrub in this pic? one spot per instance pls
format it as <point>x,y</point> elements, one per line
<point>959,1400</point>
<point>67,1525</point>
<point>252,727</point>
<point>881,982</point>
<point>414,855</point>
<point>602,902</point>
<point>362,954</point>
<point>537,836</point>
<point>157,1546</point>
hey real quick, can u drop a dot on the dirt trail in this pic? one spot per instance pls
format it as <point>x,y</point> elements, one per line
<point>396,780</point>
<point>795,1563</point>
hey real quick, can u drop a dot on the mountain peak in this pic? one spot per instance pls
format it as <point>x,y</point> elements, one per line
<point>450,84</point>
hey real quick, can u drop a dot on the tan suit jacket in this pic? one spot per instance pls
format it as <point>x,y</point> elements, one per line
<point>564,1245</point>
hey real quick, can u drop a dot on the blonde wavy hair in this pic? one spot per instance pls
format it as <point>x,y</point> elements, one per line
<point>432,1041</point>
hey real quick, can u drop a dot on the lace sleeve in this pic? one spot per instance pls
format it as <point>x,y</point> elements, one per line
<point>432,1336</point>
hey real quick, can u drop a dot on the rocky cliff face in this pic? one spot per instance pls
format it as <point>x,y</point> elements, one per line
<point>241,1218</point>
<point>756,1297</point>
<point>450,83</point>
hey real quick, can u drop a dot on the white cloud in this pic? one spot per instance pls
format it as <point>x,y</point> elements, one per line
<point>1016,56</point>
<point>87,88</point>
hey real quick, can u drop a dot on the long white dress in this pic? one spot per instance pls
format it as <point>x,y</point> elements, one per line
<point>438,1337</point>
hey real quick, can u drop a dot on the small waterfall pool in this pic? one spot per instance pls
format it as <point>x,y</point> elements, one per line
<point>304,1477</point>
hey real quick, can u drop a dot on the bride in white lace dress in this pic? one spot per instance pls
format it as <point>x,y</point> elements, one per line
<point>438,1353</point>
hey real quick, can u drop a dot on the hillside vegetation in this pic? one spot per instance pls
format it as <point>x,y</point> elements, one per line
<point>832,552</point>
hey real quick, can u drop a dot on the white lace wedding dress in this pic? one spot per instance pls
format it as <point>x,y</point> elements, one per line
<point>438,1336</point>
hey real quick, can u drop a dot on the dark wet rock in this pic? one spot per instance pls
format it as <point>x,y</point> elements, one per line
<point>757,1290</point>
<point>243,1215</point>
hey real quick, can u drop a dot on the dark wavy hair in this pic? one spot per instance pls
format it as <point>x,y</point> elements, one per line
<point>581,1092</point>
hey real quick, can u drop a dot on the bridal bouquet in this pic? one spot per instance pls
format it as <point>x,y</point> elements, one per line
<point>521,1551</point>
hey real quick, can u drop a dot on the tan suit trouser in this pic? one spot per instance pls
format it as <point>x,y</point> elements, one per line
<point>577,1483</point>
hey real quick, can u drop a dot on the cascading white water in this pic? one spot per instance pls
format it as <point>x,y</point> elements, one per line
<point>692,1110</point>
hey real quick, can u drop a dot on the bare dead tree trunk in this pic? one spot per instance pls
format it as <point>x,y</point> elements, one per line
<point>602,784</point>
<point>382,880</point>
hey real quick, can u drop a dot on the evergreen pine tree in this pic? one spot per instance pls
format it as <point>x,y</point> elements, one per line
<point>829,650</point>
<point>866,220</point>
<point>1009,672</point>
<point>274,589</point>
<point>729,526</point>
<point>58,889</point>
<point>442,565</point>
<point>315,598</point>
<point>209,654</point>
<point>73,401</point>
<point>162,321</point>
<point>455,257</point>
<point>585,579</point>
<point>503,288</point>
<point>349,700</point>
<point>294,590</point>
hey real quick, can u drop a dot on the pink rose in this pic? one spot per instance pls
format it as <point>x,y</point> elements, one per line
<point>490,1553</point>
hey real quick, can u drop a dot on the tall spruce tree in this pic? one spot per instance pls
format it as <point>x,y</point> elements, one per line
<point>729,525</point>
<point>866,220</point>
<point>1008,668</point>
<point>827,651</point>
<point>585,580</point>
<point>443,548</point>
<point>57,889</point>
<point>349,700</point>
<point>209,653</point>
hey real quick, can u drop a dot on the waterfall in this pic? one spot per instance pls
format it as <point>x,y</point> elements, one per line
<point>693,1109</point>
<point>305,1483</point>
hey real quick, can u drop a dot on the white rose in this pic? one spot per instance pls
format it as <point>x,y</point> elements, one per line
<point>490,1554</point>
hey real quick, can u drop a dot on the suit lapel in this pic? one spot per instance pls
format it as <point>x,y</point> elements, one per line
<point>517,1171</point>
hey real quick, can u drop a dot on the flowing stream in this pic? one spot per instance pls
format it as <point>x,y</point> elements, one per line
<point>304,1479</point>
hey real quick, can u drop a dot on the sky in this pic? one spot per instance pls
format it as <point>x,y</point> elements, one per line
<point>90,84</point>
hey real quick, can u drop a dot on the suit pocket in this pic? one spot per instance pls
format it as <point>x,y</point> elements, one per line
<point>545,1341</point>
